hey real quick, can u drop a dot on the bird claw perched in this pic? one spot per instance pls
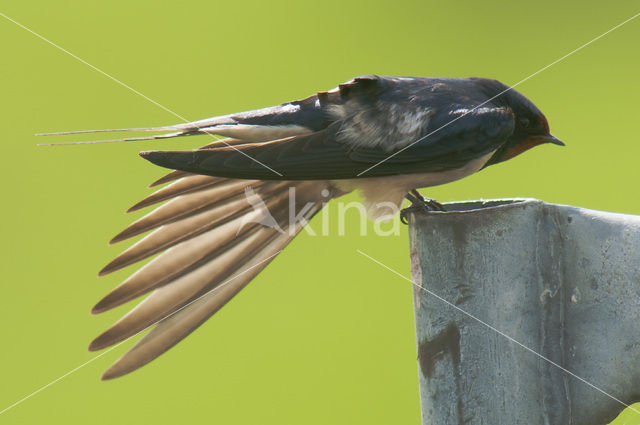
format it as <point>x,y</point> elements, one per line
<point>419,203</point>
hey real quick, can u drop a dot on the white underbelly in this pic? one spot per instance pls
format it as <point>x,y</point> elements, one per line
<point>392,189</point>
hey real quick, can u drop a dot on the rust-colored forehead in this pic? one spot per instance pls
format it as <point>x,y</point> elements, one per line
<point>523,146</point>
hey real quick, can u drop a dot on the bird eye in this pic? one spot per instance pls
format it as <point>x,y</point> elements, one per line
<point>524,122</point>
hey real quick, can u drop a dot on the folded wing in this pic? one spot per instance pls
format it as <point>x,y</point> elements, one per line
<point>328,155</point>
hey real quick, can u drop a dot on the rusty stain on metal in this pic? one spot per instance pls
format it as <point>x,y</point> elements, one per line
<point>562,280</point>
<point>445,343</point>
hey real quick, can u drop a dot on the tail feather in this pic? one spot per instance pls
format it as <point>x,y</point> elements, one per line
<point>259,125</point>
<point>181,128</point>
<point>110,130</point>
<point>245,132</point>
<point>122,139</point>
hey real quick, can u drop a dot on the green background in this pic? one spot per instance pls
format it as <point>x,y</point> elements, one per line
<point>323,335</point>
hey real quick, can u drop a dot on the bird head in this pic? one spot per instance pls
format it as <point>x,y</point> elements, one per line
<point>530,127</point>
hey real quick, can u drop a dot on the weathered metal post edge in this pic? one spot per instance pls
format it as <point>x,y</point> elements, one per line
<point>562,281</point>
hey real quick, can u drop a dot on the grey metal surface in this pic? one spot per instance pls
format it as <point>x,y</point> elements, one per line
<point>563,281</point>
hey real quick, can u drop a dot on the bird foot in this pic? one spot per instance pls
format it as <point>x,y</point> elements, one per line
<point>419,203</point>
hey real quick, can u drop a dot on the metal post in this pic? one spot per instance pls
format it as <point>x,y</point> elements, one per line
<point>562,281</point>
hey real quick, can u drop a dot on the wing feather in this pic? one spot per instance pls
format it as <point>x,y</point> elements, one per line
<point>169,177</point>
<point>186,319</point>
<point>197,265</point>
<point>185,185</point>
<point>173,233</point>
<point>207,231</point>
<point>186,205</point>
<point>171,297</point>
<point>188,255</point>
<point>326,155</point>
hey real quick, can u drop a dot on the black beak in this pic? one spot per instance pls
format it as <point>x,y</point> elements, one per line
<point>552,139</point>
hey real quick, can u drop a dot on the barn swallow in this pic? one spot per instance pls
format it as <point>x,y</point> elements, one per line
<point>383,136</point>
